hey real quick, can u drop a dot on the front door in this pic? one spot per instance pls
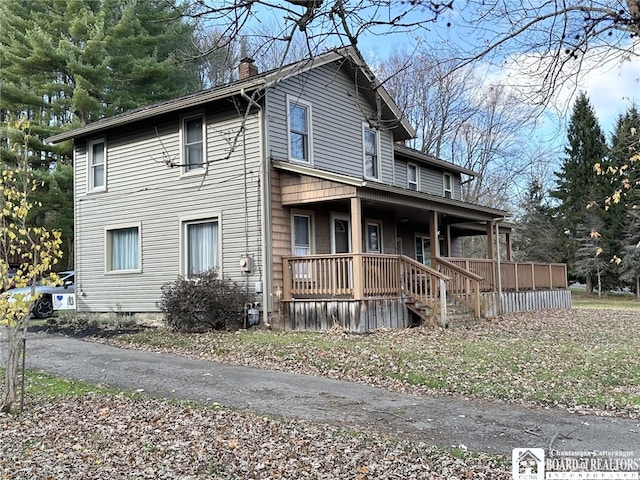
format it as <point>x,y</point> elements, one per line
<point>341,234</point>
<point>341,243</point>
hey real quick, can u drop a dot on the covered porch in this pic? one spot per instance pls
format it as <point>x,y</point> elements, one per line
<point>366,256</point>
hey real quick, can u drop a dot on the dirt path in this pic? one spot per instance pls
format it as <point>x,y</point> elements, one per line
<point>441,420</point>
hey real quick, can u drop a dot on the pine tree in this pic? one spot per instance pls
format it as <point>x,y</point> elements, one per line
<point>624,145</point>
<point>579,189</point>
<point>69,62</point>
<point>65,63</point>
<point>631,252</point>
<point>537,237</point>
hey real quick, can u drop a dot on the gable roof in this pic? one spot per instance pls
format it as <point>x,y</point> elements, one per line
<point>353,59</point>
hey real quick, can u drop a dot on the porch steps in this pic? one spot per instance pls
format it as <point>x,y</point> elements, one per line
<point>425,314</point>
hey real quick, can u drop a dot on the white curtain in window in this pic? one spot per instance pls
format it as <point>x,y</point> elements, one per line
<point>202,241</point>
<point>125,253</point>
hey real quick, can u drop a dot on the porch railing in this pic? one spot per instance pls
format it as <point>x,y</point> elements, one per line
<point>357,276</point>
<point>463,285</point>
<point>514,276</point>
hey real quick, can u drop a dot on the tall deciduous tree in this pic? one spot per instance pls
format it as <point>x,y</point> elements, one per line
<point>551,42</point>
<point>578,189</point>
<point>460,119</point>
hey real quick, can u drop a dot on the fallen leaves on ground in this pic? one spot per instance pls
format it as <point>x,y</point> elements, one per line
<point>581,360</point>
<point>102,436</point>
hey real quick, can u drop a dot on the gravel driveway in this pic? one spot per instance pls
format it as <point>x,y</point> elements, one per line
<point>446,421</point>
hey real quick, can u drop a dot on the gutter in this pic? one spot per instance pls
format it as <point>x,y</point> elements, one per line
<point>170,106</point>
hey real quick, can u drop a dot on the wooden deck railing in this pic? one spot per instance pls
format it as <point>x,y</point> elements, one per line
<point>463,285</point>
<point>515,276</point>
<point>357,276</point>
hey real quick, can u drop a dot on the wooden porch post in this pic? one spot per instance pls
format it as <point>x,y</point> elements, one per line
<point>509,246</point>
<point>490,253</point>
<point>356,242</point>
<point>433,234</point>
<point>490,241</point>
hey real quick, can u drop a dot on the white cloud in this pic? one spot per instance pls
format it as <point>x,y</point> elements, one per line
<point>612,87</point>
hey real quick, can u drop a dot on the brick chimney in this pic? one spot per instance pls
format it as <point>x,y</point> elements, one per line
<point>246,68</point>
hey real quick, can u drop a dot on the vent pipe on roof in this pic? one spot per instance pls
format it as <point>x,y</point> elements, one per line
<point>247,68</point>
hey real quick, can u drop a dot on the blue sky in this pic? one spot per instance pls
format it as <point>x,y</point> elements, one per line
<point>611,88</point>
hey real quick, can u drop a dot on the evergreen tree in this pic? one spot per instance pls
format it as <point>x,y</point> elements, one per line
<point>69,62</point>
<point>624,145</point>
<point>537,237</point>
<point>64,63</point>
<point>579,189</point>
<point>630,266</point>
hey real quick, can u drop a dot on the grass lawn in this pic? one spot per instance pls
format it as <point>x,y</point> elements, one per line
<point>578,359</point>
<point>624,301</point>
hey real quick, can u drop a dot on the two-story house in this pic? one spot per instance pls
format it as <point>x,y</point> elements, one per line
<point>295,182</point>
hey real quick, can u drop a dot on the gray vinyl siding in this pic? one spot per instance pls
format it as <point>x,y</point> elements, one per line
<point>337,116</point>
<point>141,188</point>
<point>430,180</point>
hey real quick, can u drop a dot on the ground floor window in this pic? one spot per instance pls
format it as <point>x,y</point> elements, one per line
<point>201,246</point>
<point>123,249</point>
<point>301,234</point>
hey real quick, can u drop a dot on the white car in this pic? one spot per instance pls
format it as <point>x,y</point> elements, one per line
<point>60,297</point>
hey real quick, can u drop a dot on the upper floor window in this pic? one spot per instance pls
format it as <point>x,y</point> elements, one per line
<point>412,176</point>
<point>193,144</point>
<point>97,161</point>
<point>123,249</point>
<point>447,185</point>
<point>299,119</point>
<point>371,156</point>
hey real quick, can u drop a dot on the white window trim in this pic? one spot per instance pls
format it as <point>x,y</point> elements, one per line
<point>195,217</point>
<point>296,101</point>
<point>417,183</point>
<point>365,127</point>
<point>377,223</point>
<point>108,248</point>
<point>90,180</point>
<point>312,226</point>
<point>183,158</point>
<point>444,185</point>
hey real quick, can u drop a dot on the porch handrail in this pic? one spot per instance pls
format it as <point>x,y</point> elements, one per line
<point>463,285</point>
<point>515,276</point>
<point>335,275</point>
<point>424,284</point>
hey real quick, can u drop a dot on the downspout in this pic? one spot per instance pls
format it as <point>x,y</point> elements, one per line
<point>265,201</point>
